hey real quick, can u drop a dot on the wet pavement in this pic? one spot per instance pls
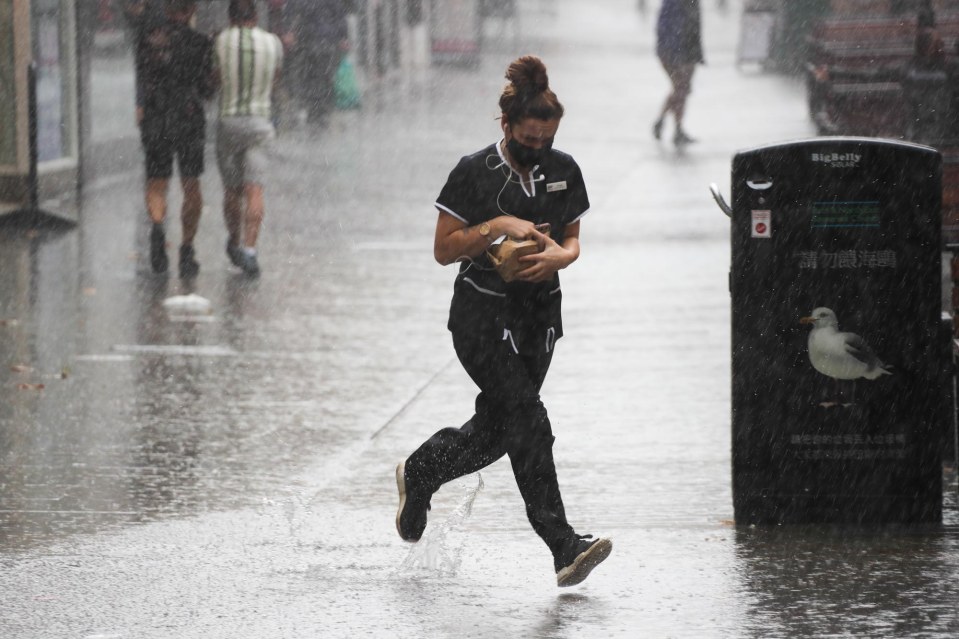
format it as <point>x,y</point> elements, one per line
<point>230,474</point>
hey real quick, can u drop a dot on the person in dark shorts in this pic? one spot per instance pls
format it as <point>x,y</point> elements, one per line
<point>174,65</point>
<point>679,47</point>
<point>503,332</point>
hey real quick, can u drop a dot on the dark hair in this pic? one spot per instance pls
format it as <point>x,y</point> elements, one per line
<point>241,10</point>
<point>926,18</point>
<point>528,94</point>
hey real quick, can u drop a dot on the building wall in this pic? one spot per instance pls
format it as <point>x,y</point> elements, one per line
<point>8,93</point>
<point>42,32</point>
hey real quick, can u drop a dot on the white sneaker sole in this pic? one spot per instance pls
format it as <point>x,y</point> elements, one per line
<point>401,487</point>
<point>584,563</point>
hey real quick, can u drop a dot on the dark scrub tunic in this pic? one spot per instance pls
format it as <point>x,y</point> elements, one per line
<point>481,187</point>
<point>503,334</point>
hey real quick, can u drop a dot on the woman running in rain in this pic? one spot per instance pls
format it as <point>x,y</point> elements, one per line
<point>504,332</point>
<point>680,48</point>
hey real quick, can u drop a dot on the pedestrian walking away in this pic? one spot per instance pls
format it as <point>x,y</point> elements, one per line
<point>679,48</point>
<point>504,333</point>
<point>248,61</point>
<point>174,77</point>
<point>320,40</point>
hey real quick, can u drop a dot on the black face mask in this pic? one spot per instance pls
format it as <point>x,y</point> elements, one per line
<point>527,155</point>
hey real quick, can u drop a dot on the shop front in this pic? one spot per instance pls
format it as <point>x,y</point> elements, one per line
<point>38,104</point>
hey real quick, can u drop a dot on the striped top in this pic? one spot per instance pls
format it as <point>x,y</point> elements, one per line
<point>247,60</point>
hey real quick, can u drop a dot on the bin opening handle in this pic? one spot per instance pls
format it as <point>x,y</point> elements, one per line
<point>718,196</point>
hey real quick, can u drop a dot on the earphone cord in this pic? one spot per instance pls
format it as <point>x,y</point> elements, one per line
<point>508,172</point>
<point>472,263</point>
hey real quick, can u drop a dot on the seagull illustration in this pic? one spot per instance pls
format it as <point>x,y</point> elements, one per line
<point>841,356</point>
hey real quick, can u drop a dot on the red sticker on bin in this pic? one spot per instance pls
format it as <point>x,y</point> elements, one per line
<point>762,224</point>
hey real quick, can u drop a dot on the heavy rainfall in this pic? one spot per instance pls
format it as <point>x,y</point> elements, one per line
<point>753,402</point>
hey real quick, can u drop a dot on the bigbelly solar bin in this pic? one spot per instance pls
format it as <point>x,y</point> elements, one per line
<point>838,356</point>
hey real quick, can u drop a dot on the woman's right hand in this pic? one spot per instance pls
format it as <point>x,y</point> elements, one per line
<point>514,227</point>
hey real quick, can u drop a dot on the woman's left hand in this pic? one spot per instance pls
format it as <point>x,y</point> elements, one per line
<point>552,257</point>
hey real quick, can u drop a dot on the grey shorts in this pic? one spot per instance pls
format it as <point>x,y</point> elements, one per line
<point>243,145</point>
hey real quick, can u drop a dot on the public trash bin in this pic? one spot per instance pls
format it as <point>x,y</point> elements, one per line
<point>837,347</point>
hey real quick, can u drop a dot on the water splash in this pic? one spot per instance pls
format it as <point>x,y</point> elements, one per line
<point>291,511</point>
<point>434,554</point>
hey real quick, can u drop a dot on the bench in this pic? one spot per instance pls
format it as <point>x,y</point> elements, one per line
<point>854,72</point>
<point>860,81</point>
<point>950,195</point>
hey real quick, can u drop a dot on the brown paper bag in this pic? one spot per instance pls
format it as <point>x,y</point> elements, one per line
<point>505,256</point>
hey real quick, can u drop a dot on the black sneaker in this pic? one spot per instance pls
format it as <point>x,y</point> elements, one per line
<point>235,253</point>
<point>189,267</point>
<point>411,514</point>
<point>681,138</point>
<point>578,557</point>
<point>658,129</point>
<point>249,264</point>
<point>158,259</point>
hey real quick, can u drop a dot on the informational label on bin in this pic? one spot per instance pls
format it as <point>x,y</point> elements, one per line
<point>845,214</point>
<point>762,224</point>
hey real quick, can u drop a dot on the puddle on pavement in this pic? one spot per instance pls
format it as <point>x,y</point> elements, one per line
<point>436,554</point>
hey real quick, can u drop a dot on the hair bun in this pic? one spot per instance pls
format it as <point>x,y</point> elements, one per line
<point>528,73</point>
<point>527,95</point>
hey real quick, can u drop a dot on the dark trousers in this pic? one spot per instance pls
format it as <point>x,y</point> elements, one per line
<point>510,420</point>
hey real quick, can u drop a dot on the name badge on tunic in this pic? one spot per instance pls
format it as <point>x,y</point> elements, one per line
<point>556,186</point>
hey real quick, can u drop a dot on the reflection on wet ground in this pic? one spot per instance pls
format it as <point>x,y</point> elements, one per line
<point>118,410</point>
<point>814,581</point>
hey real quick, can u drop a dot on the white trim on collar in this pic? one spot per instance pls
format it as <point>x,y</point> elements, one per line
<point>522,184</point>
